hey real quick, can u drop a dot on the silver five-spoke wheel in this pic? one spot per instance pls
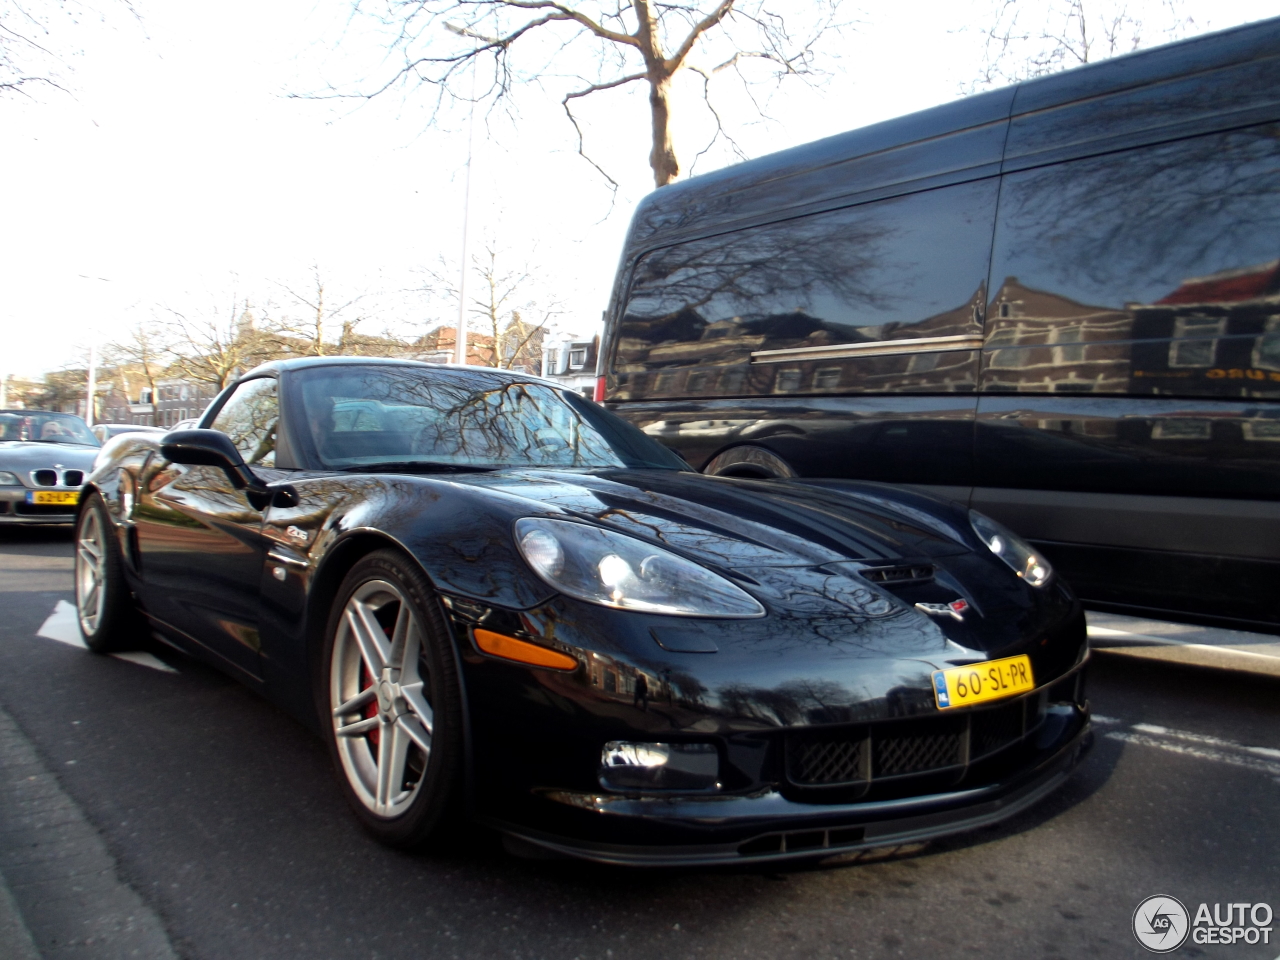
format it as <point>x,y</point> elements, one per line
<point>379,698</point>
<point>91,553</point>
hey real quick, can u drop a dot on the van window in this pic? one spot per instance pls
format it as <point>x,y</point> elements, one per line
<point>1150,271</point>
<point>703,318</point>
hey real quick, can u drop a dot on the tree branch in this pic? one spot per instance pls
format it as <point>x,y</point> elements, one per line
<point>676,61</point>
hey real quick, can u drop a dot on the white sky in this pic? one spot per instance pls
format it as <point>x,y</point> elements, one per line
<point>181,174</point>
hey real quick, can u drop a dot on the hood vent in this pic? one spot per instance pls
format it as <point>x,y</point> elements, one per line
<point>898,575</point>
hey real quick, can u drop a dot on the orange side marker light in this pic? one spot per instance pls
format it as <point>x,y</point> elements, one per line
<point>509,648</point>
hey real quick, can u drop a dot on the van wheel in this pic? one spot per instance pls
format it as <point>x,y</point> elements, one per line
<point>754,463</point>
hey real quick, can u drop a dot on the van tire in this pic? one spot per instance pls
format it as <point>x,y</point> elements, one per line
<point>754,463</point>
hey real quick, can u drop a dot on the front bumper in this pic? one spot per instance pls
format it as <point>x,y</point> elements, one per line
<point>14,508</point>
<point>767,827</point>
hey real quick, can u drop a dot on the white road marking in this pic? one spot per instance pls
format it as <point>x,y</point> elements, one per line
<point>1105,721</point>
<point>1201,746</point>
<point>144,659</point>
<point>1207,740</point>
<point>63,625</point>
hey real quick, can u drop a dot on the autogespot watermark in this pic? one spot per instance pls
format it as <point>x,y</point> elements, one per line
<point>1162,924</point>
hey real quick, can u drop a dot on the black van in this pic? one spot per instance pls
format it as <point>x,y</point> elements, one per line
<point>1058,302</point>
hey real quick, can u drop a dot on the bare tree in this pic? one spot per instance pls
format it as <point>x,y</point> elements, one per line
<point>506,308</point>
<point>34,40</point>
<point>598,45</point>
<point>321,315</point>
<point>215,347</point>
<point>1029,39</point>
<point>63,389</point>
<point>145,350</point>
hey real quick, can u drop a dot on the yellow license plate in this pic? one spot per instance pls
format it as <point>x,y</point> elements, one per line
<point>979,682</point>
<point>67,497</point>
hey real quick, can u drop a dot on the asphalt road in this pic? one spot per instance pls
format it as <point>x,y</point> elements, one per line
<point>223,815</point>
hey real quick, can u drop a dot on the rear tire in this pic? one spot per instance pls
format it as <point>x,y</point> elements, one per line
<point>391,701</point>
<point>109,619</point>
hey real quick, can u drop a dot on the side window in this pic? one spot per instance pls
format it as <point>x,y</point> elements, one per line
<point>249,418</point>
<point>814,304</point>
<point>1148,271</point>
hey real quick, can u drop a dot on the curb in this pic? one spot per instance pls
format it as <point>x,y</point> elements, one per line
<point>57,875</point>
<point>1216,649</point>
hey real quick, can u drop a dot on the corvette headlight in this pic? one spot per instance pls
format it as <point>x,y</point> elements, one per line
<point>1012,549</point>
<point>615,570</point>
<point>8,479</point>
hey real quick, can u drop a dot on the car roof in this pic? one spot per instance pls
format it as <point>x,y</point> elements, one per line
<point>276,367</point>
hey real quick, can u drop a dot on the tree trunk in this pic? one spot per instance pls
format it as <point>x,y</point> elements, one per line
<point>662,158</point>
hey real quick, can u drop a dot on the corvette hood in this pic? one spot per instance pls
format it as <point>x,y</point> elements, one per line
<point>736,523</point>
<point>811,551</point>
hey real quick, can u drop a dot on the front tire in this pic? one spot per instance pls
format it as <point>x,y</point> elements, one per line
<point>392,701</point>
<point>109,620</point>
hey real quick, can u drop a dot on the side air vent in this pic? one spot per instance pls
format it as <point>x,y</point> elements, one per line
<point>891,576</point>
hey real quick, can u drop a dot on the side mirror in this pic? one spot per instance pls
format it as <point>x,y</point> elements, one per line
<point>213,448</point>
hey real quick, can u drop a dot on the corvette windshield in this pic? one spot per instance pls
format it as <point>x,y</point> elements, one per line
<point>368,415</point>
<point>44,427</point>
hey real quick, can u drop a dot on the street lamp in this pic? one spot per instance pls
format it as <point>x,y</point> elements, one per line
<point>93,366</point>
<point>460,345</point>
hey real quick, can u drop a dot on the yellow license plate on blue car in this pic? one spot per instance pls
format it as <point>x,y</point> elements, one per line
<point>67,498</point>
<point>980,682</point>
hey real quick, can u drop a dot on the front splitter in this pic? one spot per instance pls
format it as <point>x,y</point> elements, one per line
<point>824,831</point>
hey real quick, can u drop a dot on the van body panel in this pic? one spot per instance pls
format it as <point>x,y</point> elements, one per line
<point>1232,96</point>
<point>1252,41</point>
<point>1152,271</point>
<point>951,143</point>
<point>754,310</point>
<point>901,439</point>
<point>957,158</point>
<point>1171,585</point>
<point>1161,447</point>
<point>1243,529</point>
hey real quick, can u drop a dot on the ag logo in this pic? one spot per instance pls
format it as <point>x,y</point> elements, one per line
<point>1161,923</point>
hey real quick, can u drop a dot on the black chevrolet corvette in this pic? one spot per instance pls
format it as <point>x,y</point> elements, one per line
<point>494,599</point>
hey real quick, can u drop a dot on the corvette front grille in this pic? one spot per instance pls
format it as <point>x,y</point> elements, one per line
<point>853,756</point>
<point>916,753</point>
<point>827,761</point>
<point>992,730</point>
